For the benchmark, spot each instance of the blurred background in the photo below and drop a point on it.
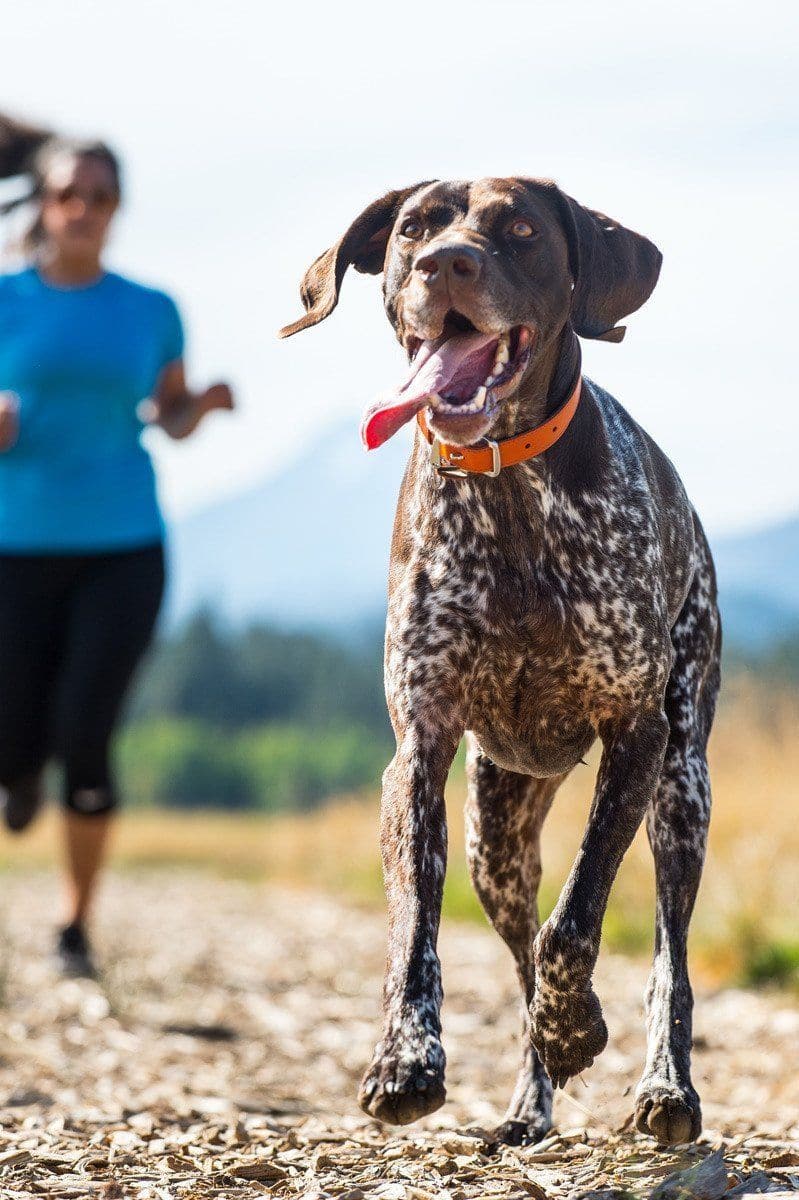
(251, 138)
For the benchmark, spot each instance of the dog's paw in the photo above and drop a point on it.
(521, 1133)
(402, 1085)
(529, 1115)
(568, 1031)
(668, 1112)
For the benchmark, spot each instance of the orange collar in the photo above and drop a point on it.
(488, 458)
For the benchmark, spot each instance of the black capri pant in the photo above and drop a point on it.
(73, 628)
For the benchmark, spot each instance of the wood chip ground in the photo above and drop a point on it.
(219, 1057)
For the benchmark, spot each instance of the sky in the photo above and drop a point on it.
(253, 134)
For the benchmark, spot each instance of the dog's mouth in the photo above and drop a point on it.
(463, 376)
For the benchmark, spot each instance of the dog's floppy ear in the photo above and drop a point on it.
(363, 246)
(614, 270)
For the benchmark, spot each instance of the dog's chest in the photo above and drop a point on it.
(536, 623)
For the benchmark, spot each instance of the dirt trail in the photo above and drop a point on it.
(221, 1057)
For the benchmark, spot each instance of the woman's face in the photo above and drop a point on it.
(79, 200)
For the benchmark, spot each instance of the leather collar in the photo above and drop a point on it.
(487, 457)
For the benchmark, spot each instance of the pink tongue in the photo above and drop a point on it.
(459, 363)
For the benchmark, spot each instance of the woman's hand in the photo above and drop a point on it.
(9, 420)
(218, 396)
(179, 411)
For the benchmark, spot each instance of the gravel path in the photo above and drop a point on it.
(221, 1054)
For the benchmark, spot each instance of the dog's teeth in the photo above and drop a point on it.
(474, 405)
(500, 359)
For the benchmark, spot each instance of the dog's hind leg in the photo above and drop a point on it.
(567, 1025)
(667, 1105)
(504, 815)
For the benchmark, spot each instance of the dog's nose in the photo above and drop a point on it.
(455, 263)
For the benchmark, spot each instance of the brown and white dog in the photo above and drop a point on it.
(533, 607)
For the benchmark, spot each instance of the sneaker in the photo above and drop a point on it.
(74, 954)
(21, 802)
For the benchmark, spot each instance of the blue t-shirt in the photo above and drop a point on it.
(80, 360)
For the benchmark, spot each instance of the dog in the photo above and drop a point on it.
(550, 584)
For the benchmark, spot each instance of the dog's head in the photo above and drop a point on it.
(479, 279)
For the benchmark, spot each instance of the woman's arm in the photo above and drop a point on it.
(9, 420)
(178, 410)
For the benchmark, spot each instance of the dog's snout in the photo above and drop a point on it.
(457, 263)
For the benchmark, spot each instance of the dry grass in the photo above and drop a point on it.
(745, 921)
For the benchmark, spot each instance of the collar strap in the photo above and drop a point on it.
(487, 457)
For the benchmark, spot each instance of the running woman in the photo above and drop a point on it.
(81, 533)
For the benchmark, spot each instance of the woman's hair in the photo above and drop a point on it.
(28, 150)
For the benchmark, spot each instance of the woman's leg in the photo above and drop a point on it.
(112, 614)
(86, 843)
(32, 594)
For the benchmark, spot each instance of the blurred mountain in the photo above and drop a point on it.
(310, 545)
(764, 562)
(307, 546)
(759, 584)
(753, 623)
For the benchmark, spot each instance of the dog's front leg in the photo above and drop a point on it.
(406, 1077)
(568, 1029)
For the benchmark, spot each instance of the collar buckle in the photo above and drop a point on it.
(445, 467)
(496, 459)
(448, 467)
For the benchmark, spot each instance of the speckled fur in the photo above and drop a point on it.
(570, 598)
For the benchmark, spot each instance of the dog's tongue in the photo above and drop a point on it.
(459, 365)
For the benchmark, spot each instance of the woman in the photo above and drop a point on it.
(81, 535)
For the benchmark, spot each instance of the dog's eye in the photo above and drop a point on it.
(411, 229)
(522, 229)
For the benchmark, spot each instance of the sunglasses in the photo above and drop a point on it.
(101, 199)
